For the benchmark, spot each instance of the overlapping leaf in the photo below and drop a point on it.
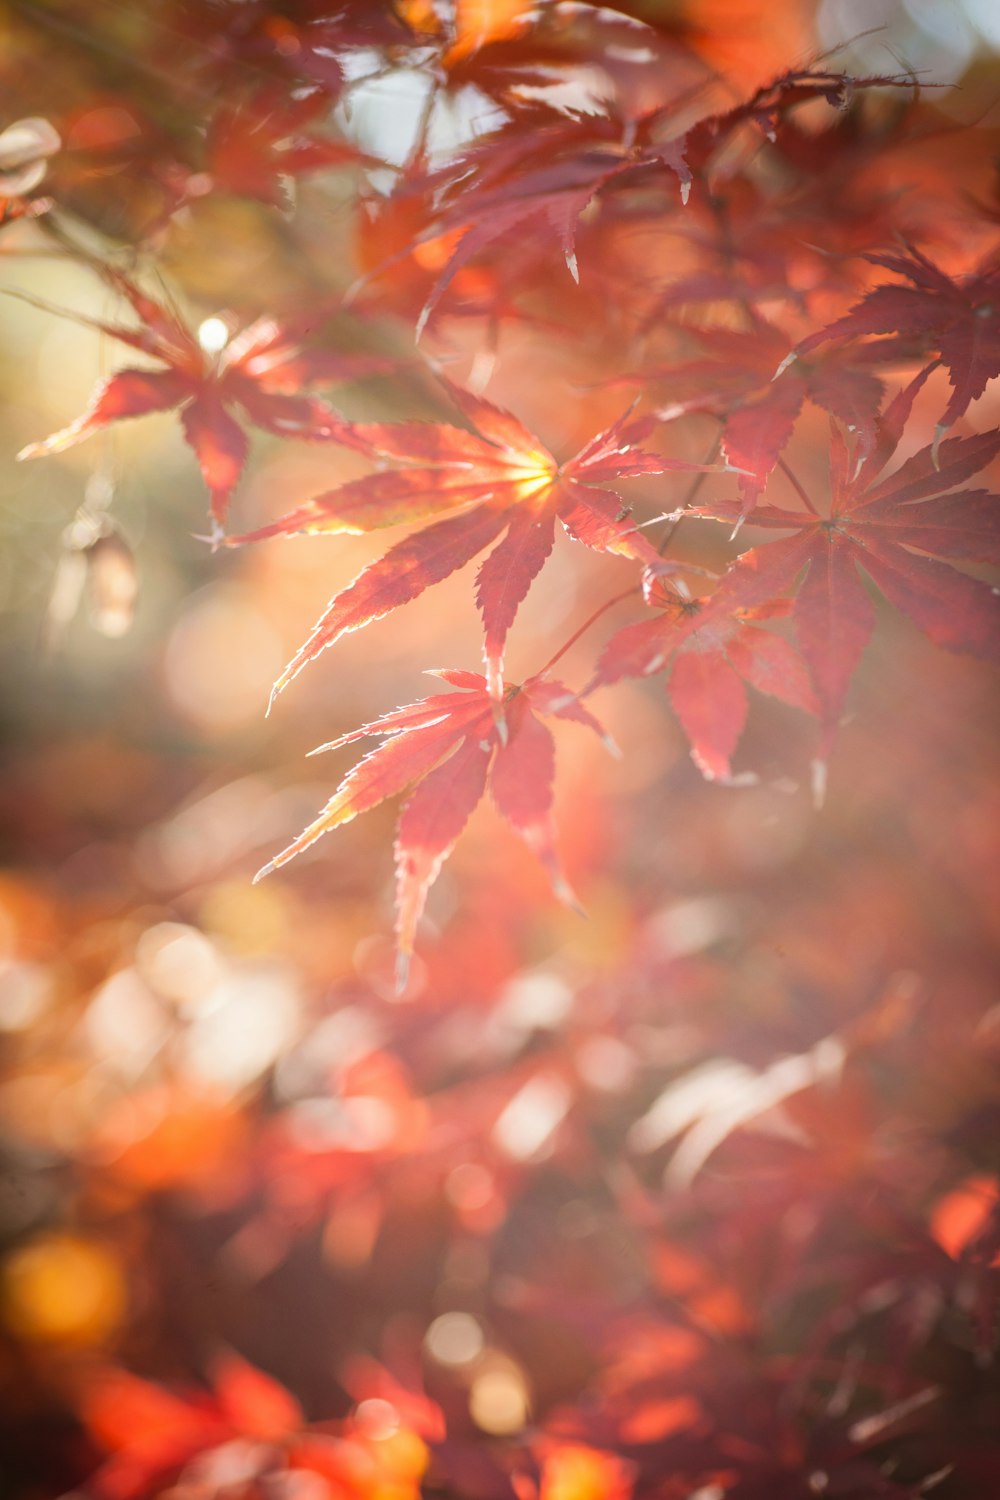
(510, 179)
(750, 380)
(523, 55)
(469, 489)
(712, 652)
(306, 42)
(957, 321)
(443, 752)
(151, 1433)
(893, 531)
(547, 178)
(254, 144)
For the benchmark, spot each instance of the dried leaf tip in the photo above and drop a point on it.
(564, 892)
(215, 538)
(939, 432)
(422, 321)
(272, 697)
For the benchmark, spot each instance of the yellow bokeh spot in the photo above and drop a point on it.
(251, 919)
(60, 1288)
(498, 1400)
(404, 1454)
(577, 1473)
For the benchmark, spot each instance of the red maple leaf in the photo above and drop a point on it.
(307, 41)
(891, 530)
(262, 372)
(750, 379)
(152, 1434)
(443, 751)
(254, 144)
(712, 652)
(958, 322)
(511, 179)
(523, 55)
(497, 481)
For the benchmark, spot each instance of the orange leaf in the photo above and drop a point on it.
(577, 1473)
(960, 1215)
(254, 1403)
(478, 22)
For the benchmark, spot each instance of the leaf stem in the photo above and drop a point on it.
(797, 486)
(692, 492)
(608, 603)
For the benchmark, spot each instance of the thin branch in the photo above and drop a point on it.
(797, 486)
(608, 604)
(692, 493)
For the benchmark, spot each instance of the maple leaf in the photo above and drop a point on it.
(305, 42)
(712, 651)
(523, 55)
(442, 752)
(152, 1434)
(473, 487)
(763, 230)
(510, 179)
(894, 530)
(258, 371)
(256, 143)
(478, 22)
(752, 379)
(958, 322)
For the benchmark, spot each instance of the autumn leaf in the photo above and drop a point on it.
(305, 44)
(893, 530)
(510, 181)
(252, 1402)
(712, 652)
(262, 372)
(961, 1216)
(472, 488)
(254, 145)
(758, 386)
(478, 22)
(152, 1434)
(957, 321)
(442, 752)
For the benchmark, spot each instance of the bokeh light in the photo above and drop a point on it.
(60, 1288)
